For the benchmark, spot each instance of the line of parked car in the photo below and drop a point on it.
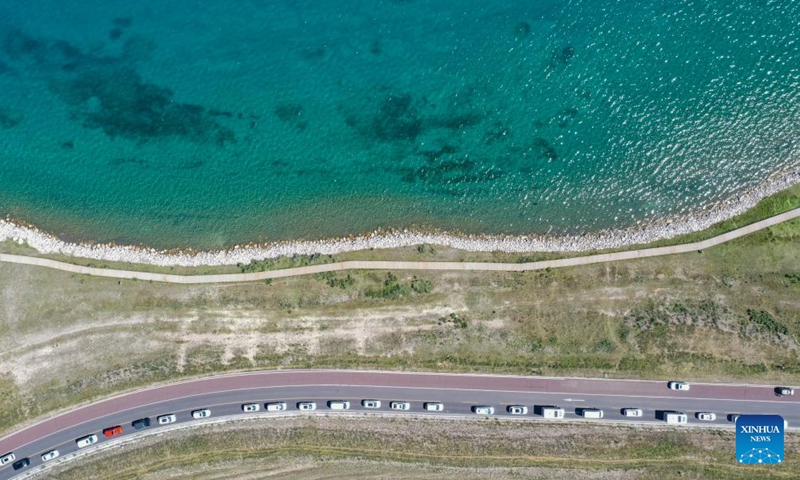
(206, 413)
(88, 440)
(339, 405)
(552, 411)
(546, 411)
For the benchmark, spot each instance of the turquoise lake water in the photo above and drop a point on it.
(207, 124)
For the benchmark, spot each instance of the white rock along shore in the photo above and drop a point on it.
(611, 238)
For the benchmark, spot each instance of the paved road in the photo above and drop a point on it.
(224, 395)
(387, 265)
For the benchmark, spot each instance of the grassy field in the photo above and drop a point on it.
(331, 447)
(731, 313)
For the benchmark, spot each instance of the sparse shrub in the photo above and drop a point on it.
(284, 262)
(456, 320)
(459, 322)
(256, 266)
(623, 333)
(697, 313)
(764, 319)
(680, 308)
(391, 289)
(333, 281)
(342, 283)
(605, 346)
(325, 276)
(421, 286)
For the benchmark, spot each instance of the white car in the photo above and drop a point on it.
(339, 405)
(517, 409)
(632, 412)
(483, 410)
(49, 455)
(706, 416)
(371, 403)
(307, 406)
(251, 407)
(203, 413)
(275, 406)
(166, 419)
(784, 391)
(86, 441)
(9, 457)
(400, 406)
(433, 406)
(678, 386)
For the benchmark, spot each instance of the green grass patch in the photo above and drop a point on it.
(393, 288)
(767, 322)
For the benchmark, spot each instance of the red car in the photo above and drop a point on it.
(112, 431)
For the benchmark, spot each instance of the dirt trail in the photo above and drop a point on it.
(405, 265)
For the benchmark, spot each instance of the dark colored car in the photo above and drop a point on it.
(141, 423)
(21, 463)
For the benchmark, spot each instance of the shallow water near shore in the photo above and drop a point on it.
(208, 125)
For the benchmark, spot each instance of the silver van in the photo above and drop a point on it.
(552, 412)
(592, 413)
(675, 417)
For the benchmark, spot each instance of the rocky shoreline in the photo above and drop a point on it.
(612, 238)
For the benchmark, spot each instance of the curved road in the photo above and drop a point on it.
(224, 395)
(398, 265)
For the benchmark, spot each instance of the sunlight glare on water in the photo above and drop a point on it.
(205, 124)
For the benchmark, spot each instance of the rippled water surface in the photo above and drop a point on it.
(206, 124)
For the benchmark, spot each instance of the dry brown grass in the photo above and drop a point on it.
(66, 339)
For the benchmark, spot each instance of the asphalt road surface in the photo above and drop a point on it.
(225, 395)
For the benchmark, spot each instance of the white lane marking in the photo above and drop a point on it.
(527, 392)
(525, 377)
(462, 375)
(289, 372)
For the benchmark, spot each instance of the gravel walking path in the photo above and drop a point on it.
(401, 265)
